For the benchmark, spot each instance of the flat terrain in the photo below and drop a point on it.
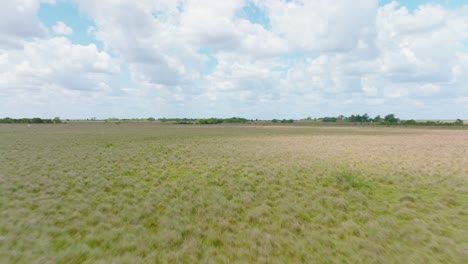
(152, 193)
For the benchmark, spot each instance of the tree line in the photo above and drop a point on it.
(35, 120)
(205, 121)
(365, 118)
(389, 119)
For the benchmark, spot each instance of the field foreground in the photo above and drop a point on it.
(150, 193)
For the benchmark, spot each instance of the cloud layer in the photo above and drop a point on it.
(258, 59)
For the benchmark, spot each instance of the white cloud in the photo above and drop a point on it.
(424, 19)
(324, 57)
(18, 21)
(54, 69)
(399, 54)
(413, 49)
(321, 26)
(61, 28)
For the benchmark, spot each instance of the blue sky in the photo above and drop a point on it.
(251, 58)
(255, 15)
(67, 12)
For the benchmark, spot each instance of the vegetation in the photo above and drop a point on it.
(412, 122)
(283, 121)
(359, 119)
(388, 120)
(353, 119)
(205, 121)
(329, 119)
(178, 120)
(210, 121)
(147, 192)
(35, 120)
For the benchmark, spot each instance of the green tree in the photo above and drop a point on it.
(391, 119)
(57, 120)
(359, 118)
(458, 122)
(37, 120)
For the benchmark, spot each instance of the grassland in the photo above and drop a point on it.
(151, 193)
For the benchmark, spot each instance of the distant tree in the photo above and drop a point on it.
(274, 120)
(37, 120)
(7, 120)
(151, 119)
(377, 119)
(359, 118)
(391, 119)
(458, 122)
(57, 120)
(365, 118)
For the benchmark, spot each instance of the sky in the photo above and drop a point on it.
(246, 58)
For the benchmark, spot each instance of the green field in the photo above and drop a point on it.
(153, 193)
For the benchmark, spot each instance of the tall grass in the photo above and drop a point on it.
(133, 193)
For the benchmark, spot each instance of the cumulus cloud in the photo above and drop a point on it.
(18, 21)
(337, 56)
(53, 62)
(368, 56)
(61, 28)
(321, 26)
(54, 69)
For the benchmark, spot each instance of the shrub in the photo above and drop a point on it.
(287, 121)
(329, 119)
(346, 179)
(410, 122)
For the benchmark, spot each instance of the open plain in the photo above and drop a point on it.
(154, 193)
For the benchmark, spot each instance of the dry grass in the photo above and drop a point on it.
(132, 193)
